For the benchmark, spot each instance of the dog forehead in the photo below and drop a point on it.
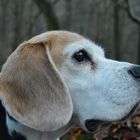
(59, 40)
(56, 36)
(86, 44)
(59, 44)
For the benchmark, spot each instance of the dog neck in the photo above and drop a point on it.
(18, 131)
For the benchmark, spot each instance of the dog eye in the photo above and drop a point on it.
(81, 56)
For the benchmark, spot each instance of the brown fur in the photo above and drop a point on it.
(58, 41)
(32, 90)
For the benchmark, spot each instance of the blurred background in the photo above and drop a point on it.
(113, 24)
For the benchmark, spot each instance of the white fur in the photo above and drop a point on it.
(25, 131)
(107, 92)
(32, 134)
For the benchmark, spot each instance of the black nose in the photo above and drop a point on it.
(92, 125)
(135, 72)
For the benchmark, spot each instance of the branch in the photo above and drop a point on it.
(46, 7)
(55, 1)
(133, 10)
(31, 24)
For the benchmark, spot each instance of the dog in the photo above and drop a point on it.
(60, 78)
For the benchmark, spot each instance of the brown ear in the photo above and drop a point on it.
(32, 89)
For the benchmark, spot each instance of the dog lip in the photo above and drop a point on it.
(130, 113)
(93, 125)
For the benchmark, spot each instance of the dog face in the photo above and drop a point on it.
(57, 74)
(101, 89)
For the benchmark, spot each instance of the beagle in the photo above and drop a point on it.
(59, 78)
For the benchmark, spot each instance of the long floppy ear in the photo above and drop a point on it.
(32, 89)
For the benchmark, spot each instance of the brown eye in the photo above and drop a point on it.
(81, 56)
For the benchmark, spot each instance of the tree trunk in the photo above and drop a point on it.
(46, 7)
(134, 14)
(116, 31)
(139, 47)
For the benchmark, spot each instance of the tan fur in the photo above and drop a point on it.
(58, 41)
(32, 89)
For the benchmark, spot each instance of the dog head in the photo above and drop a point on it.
(58, 74)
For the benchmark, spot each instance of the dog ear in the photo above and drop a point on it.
(32, 89)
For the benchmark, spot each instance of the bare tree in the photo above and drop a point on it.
(134, 9)
(19, 20)
(17, 16)
(4, 8)
(134, 12)
(3, 30)
(117, 34)
(47, 9)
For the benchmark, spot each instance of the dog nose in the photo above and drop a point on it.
(92, 125)
(135, 72)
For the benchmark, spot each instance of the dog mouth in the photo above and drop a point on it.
(94, 126)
